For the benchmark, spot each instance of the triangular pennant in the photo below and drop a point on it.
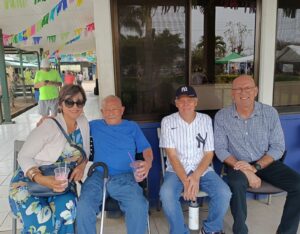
(62, 5)
(52, 38)
(39, 25)
(79, 2)
(64, 36)
(36, 40)
(77, 31)
(90, 27)
(45, 20)
(52, 14)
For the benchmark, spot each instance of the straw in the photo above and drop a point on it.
(65, 167)
(131, 158)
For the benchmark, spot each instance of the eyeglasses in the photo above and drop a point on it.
(70, 103)
(246, 89)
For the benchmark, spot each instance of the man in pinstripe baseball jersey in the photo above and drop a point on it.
(249, 139)
(187, 137)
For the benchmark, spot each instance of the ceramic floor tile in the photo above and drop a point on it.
(2, 179)
(4, 191)
(4, 206)
(7, 224)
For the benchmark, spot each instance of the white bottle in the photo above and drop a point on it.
(193, 215)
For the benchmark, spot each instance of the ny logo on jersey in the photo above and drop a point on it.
(201, 140)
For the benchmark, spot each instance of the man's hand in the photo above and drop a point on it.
(254, 180)
(190, 193)
(143, 169)
(193, 186)
(243, 165)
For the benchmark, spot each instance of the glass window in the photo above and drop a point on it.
(164, 44)
(151, 56)
(287, 61)
(222, 48)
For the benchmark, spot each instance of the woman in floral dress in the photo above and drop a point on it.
(46, 145)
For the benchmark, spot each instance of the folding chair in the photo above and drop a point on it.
(17, 147)
(109, 204)
(163, 158)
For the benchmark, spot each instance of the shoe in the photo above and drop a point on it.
(202, 231)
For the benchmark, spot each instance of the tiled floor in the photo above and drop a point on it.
(262, 219)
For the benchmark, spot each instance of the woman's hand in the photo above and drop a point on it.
(51, 182)
(78, 172)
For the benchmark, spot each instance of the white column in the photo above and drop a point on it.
(104, 48)
(267, 51)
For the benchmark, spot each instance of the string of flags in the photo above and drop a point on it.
(22, 36)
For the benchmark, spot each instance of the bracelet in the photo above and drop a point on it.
(33, 172)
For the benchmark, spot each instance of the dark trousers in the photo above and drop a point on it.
(277, 174)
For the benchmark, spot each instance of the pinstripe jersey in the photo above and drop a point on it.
(189, 140)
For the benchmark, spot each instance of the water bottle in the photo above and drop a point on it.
(193, 215)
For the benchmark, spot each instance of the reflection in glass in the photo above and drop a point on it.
(287, 61)
(222, 48)
(152, 56)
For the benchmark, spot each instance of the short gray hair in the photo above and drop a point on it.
(110, 97)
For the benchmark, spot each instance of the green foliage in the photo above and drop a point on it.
(284, 77)
(225, 78)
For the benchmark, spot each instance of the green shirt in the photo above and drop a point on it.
(48, 92)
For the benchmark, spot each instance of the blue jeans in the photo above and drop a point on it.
(217, 190)
(122, 188)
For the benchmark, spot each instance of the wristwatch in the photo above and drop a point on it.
(257, 166)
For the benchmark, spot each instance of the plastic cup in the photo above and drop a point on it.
(61, 173)
(135, 165)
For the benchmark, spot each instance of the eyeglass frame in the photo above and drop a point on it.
(246, 89)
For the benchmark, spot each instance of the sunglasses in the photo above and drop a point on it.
(70, 103)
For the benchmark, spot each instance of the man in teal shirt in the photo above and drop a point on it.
(48, 82)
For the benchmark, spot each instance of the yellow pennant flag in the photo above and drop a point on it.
(79, 2)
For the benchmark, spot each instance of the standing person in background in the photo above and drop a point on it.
(79, 78)
(69, 78)
(63, 76)
(48, 82)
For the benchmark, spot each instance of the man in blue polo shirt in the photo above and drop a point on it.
(116, 141)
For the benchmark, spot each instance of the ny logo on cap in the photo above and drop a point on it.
(184, 89)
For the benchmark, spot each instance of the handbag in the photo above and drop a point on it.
(39, 190)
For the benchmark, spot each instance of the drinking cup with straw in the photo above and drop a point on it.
(135, 164)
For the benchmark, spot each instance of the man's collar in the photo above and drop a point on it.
(256, 111)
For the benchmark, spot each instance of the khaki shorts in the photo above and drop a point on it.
(48, 106)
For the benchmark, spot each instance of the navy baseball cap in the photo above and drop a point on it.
(186, 90)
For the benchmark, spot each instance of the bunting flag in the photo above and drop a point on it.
(90, 27)
(30, 31)
(64, 36)
(79, 2)
(12, 4)
(36, 40)
(38, 1)
(51, 38)
(77, 31)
